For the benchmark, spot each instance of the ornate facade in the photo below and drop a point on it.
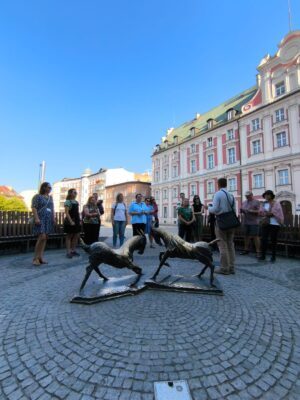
(252, 139)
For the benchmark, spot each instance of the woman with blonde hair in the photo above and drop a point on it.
(91, 221)
(72, 223)
(43, 213)
(119, 219)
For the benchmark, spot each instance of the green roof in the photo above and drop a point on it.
(218, 114)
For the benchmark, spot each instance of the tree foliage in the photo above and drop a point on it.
(12, 204)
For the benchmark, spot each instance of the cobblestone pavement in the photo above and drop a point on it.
(244, 345)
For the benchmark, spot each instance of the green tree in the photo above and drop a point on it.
(12, 204)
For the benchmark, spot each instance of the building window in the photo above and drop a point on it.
(279, 115)
(231, 156)
(255, 124)
(210, 161)
(283, 176)
(232, 184)
(280, 89)
(210, 187)
(257, 181)
(192, 130)
(175, 193)
(175, 155)
(281, 139)
(230, 134)
(209, 142)
(174, 171)
(165, 173)
(193, 166)
(156, 176)
(193, 148)
(256, 147)
(175, 139)
(193, 190)
(210, 123)
(165, 212)
(165, 194)
(175, 212)
(157, 195)
(230, 114)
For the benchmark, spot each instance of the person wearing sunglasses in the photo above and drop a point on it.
(72, 223)
(43, 213)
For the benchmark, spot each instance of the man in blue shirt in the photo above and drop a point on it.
(138, 211)
(222, 203)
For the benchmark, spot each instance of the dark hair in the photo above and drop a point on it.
(222, 182)
(43, 187)
(196, 197)
(138, 194)
(118, 197)
(70, 191)
(270, 193)
(89, 200)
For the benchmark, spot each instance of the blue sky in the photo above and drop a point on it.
(92, 83)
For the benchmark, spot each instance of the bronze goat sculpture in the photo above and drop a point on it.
(178, 248)
(101, 253)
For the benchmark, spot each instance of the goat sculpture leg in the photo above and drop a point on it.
(161, 254)
(89, 270)
(212, 268)
(162, 262)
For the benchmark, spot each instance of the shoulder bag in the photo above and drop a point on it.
(228, 220)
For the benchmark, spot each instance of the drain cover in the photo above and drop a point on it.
(172, 390)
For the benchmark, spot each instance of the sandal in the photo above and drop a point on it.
(36, 262)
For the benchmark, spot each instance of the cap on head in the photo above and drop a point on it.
(248, 193)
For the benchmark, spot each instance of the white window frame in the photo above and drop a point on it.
(165, 212)
(165, 174)
(280, 88)
(157, 195)
(258, 181)
(281, 139)
(175, 192)
(174, 171)
(165, 194)
(230, 134)
(210, 187)
(193, 148)
(193, 166)
(175, 155)
(231, 155)
(255, 124)
(232, 184)
(230, 115)
(193, 189)
(256, 146)
(175, 139)
(209, 142)
(210, 161)
(210, 124)
(279, 115)
(156, 176)
(283, 177)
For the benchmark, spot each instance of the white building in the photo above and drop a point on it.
(252, 139)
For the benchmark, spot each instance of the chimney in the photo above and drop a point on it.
(198, 116)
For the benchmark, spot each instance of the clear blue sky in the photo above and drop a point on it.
(93, 83)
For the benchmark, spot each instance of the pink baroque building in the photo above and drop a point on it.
(252, 139)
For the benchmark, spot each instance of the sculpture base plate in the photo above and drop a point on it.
(179, 283)
(100, 290)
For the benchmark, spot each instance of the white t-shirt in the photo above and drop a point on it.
(119, 210)
(273, 221)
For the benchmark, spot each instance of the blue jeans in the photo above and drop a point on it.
(118, 229)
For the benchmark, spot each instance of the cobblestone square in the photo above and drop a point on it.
(243, 345)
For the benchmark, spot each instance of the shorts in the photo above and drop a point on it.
(251, 230)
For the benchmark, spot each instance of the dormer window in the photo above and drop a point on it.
(230, 114)
(210, 123)
(209, 142)
(192, 130)
(175, 139)
(280, 89)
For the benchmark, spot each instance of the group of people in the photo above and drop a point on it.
(143, 215)
(260, 221)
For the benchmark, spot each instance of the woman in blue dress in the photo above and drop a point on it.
(43, 213)
(149, 215)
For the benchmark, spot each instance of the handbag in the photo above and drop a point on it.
(228, 220)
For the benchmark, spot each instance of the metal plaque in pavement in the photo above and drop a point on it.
(172, 390)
